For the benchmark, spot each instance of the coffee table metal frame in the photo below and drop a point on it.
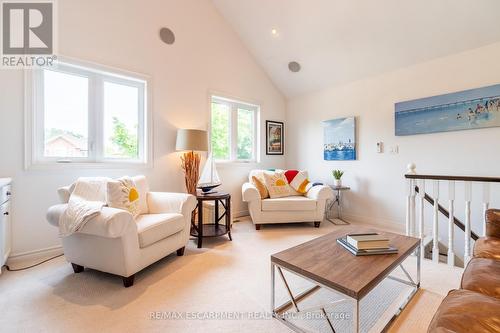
(278, 311)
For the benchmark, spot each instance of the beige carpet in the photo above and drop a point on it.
(224, 277)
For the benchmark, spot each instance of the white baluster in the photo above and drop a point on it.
(410, 201)
(435, 229)
(486, 204)
(421, 216)
(468, 196)
(408, 208)
(413, 209)
(451, 223)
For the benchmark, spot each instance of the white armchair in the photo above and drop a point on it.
(307, 208)
(114, 242)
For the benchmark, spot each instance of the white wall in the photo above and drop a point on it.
(207, 56)
(378, 188)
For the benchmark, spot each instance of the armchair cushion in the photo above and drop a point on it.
(155, 227)
(464, 311)
(293, 203)
(482, 275)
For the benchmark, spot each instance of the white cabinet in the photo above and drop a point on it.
(5, 221)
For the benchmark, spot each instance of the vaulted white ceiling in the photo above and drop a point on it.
(337, 41)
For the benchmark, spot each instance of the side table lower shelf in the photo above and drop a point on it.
(212, 230)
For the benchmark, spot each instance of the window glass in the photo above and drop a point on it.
(245, 134)
(121, 121)
(220, 131)
(65, 114)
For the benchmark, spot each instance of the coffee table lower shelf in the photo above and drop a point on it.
(279, 312)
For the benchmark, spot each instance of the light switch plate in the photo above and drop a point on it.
(394, 149)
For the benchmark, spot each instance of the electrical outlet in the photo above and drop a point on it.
(380, 147)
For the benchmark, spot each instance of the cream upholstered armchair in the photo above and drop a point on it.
(296, 208)
(116, 243)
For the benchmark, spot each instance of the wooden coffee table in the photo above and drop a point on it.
(328, 265)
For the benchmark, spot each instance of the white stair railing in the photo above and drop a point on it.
(417, 182)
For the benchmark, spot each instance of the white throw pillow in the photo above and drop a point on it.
(123, 194)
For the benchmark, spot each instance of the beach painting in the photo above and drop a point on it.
(469, 109)
(339, 142)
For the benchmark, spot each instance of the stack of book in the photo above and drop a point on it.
(366, 244)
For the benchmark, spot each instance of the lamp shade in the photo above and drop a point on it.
(191, 139)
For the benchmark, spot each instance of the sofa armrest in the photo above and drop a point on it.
(493, 223)
(250, 193)
(320, 192)
(169, 202)
(111, 222)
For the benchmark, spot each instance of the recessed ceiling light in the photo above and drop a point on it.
(274, 32)
(294, 66)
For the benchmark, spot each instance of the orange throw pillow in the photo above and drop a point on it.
(260, 187)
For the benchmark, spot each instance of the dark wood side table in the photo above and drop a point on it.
(212, 229)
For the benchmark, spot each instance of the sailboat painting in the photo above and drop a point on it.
(339, 139)
(209, 178)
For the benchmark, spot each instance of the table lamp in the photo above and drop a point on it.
(190, 141)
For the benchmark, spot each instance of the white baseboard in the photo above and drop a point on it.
(35, 255)
(241, 213)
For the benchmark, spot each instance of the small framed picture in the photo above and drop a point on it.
(275, 131)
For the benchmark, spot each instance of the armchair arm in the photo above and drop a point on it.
(64, 192)
(320, 192)
(493, 223)
(169, 202)
(111, 222)
(250, 193)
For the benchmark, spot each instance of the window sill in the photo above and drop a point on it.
(88, 165)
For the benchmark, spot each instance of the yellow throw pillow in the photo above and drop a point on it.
(276, 184)
(260, 187)
(123, 194)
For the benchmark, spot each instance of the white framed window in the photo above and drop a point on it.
(88, 114)
(234, 130)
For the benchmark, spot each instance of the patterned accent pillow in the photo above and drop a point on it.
(123, 194)
(277, 184)
(260, 187)
(298, 180)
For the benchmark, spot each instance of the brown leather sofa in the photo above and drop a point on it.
(476, 306)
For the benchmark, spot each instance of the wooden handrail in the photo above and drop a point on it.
(457, 178)
(445, 212)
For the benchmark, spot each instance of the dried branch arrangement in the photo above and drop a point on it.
(191, 167)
